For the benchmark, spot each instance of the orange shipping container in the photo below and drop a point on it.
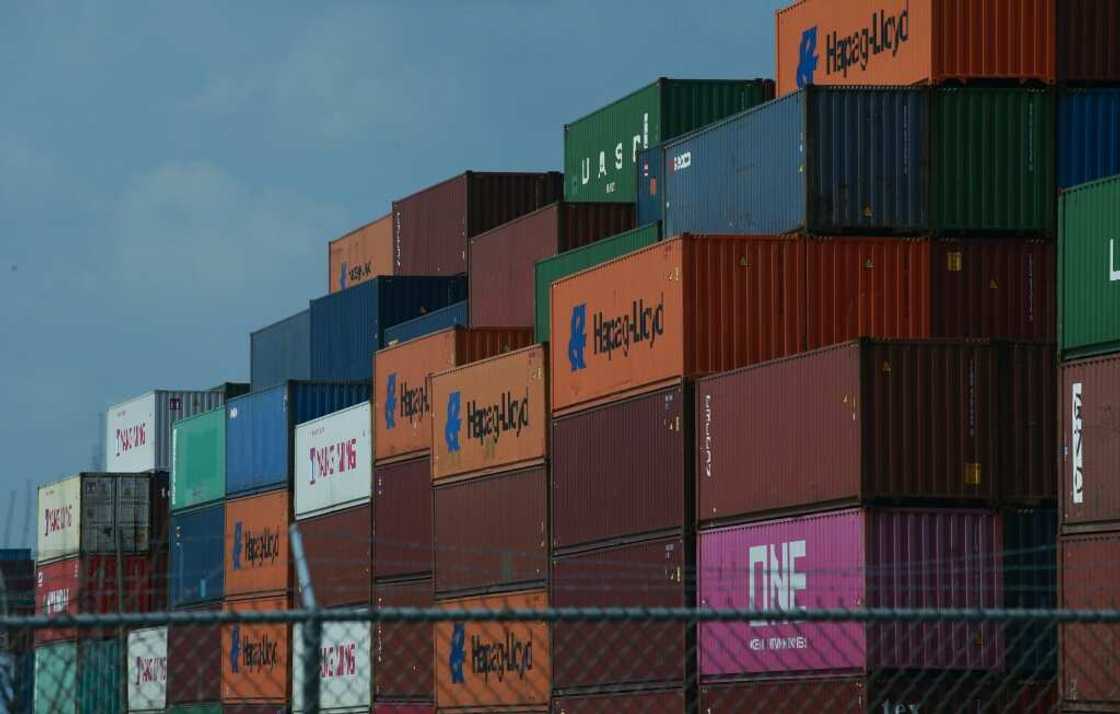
(494, 664)
(891, 42)
(490, 415)
(401, 397)
(257, 544)
(255, 658)
(361, 255)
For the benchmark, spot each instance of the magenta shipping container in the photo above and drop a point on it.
(855, 558)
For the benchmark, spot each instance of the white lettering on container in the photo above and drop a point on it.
(1078, 454)
(779, 581)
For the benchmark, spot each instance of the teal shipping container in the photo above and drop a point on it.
(1089, 269)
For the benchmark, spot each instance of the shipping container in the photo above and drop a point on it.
(622, 470)
(334, 461)
(889, 558)
(1030, 582)
(89, 585)
(402, 400)
(198, 459)
(362, 254)
(432, 228)
(1089, 269)
(277, 708)
(600, 150)
(1089, 580)
(454, 315)
(210, 708)
(337, 549)
(868, 421)
(99, 676)
(345, 674)
(194, 661)
(402, 519)
(1090, 445)
(197, 556)
(651, 173)
(914, 42)
(490, 415)
(876, 693)
(502, 259)
(256, 658)
(281, 352)
(147, 669)
(666, 701)
(259, 429)
(56, 679)
(347, 327)
(257, 561)
(1088, 43)
(1088, 134)
(552, 269)
(469, 671)
(491, 532)
(403, 652)
(138, 431)
(17, 572)
(17, 688)
(650, 574)
(402, 708)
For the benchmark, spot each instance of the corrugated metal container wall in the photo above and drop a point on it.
(194, 661)
(502, 260)
(521, 679)
(1088, 40)
(672, 701)
(345, 675)
(402, 519)
(88, 585)
(198, 459)
(552, 269)
(431, 228)
(1088, 135)
(361, 255)
(197, 556)
(147, 669)
(17, 568)
(403, 652)
(590, 471)
(1090, 300)
(914, 41)
(1090, 580)
(85, 513)
(651, 574)
(334, 461)
(600, 150)
(403, 709)
(56, 670)
(256, 529)
(1090, 446)
(993, 160)
(99, 676)
(259, 428)
(651, 173)
(886, 693)
(1030, 581)
(138, 432)
(211, 708)
(256, 661)
(280, 352)
(854, 558)
(59, 516)
(337, 549)
(492, 532)
(444, 318)
(348, 327)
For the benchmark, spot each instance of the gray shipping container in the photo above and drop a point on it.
(281, 352)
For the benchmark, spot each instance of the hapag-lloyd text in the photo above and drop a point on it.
(642, 324)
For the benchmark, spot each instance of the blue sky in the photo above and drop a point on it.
(170, 174)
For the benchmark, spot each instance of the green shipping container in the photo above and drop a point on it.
(214, 708)
(993, 161)
(99, 676)
(1089, 265)
(198, 459)
(601, 149)
(56, 676)
(552, 269)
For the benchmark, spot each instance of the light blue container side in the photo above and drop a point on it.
(434, 321)
(280, 352)
(197, 559)
(1088, 135)
(650, 171)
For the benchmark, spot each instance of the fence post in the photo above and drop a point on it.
(312, 628)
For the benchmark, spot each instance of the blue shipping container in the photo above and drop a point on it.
(434, 321)
(347, 327)
(259, 428)
(197, 556)
(1088, 135)
(824, 160)
(280, 352)
(650, 170)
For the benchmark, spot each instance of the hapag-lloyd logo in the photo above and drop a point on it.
(454, 423)
(510, 655)
(57, 519)
(339, 660)
(391, 401)
(488, 423)
(643, 324)
(414, 402)
(131, 438)
(253, 654)
(333, 459)
(150, 670)
(883, 34)
(254, 547)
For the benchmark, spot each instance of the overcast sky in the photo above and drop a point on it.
(170, 173)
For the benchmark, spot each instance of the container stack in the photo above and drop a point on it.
(17, 655)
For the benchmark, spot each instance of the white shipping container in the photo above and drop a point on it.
(147, 669)
(59, 519)
(85, 513)
(344, 671)
(334, 461)
(138, 431)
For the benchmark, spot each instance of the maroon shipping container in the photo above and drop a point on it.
(338, 556)
(88, 585)
(402, 519)
(491, 532)
(431, 228)
(648, 574)
(1089, 572)
(1091, 442)
(194, 661)
(1088, 40)
(502, 260)
(669, 701)
(403, 654)
(403, 708)
(875, 694)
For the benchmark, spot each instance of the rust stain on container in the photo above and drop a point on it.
(671, 701)
(337, 547)
(194, 661)
(257, 561)
(403, 653)
(402, 519)
(492, 414)
(492, 532)
(1090, 413)
(1089, 572)
(361, 255)
(258, 669)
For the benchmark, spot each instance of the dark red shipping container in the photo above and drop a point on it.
(88, 585)
(194, 661)
(502, 260)
(403, 708)
(1091, 443)
(1088, 41)
(667, 701)
(621, 471)
(1089, 573)
(403, 654)
(491, 532)
(874, 694)
(648, 574)
(338, 556)
(431, 228)
(402, 519)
